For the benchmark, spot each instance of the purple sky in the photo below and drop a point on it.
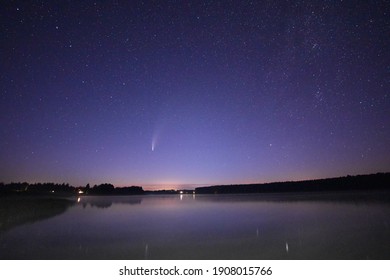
(193, 92)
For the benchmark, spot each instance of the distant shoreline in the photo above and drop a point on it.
(378, 181)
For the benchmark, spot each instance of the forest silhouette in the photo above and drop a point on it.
(378, 181)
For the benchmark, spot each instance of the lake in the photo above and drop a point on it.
(257, 226)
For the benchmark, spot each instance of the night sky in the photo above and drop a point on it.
(193, 92)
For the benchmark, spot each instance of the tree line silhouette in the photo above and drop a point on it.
(378, 181)
(66, 189)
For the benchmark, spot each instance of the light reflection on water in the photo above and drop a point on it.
(209, 227)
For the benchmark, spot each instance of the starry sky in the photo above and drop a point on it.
(182, 93)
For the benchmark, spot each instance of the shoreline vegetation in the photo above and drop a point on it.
(371, 182)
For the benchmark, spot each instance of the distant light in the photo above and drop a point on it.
(52, 191)
(81, 192)
(181, 192)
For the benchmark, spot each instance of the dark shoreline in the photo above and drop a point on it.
(378, 181)
(371, 182)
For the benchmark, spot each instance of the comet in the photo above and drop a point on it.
(154, 141)
(156, 136)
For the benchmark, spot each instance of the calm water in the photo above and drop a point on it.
(201, 227)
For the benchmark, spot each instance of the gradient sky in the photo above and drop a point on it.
(193, 92)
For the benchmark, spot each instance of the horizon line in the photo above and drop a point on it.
(194, 185)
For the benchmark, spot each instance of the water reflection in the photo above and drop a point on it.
(188, 226)
(146, 251)
(108, 201)
(16, 211)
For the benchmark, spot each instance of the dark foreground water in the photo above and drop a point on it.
(280, 226)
